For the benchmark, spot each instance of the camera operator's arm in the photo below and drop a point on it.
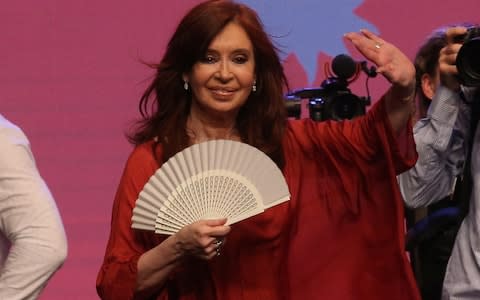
(441, 136)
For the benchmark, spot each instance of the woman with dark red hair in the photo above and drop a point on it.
(341, 234)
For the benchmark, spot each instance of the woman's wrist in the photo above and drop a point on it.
(404, 93)
(177, 246)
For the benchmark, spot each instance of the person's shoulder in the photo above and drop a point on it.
(305, 125)
(144, 154)
(14, 147)
(301, 131)
(141, 164)
(296, 124)
(11, 134)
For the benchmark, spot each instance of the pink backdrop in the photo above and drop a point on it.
(70, 76)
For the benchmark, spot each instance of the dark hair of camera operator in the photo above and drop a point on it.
(444, 141)
(340, 236)
(427, 72)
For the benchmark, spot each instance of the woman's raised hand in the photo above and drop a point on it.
(392, 63)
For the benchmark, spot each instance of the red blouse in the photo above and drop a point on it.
(340, 236)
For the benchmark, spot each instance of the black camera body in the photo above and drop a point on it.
(333, 100)
(468, 58)
(336, 102)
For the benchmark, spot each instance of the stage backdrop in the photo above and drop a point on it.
(71, 76)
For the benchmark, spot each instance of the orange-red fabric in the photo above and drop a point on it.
(339, 237)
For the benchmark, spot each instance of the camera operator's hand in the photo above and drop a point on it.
(448, 57)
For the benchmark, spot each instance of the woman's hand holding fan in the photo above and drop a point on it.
(203, 239)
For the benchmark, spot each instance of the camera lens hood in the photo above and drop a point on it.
(468, 62)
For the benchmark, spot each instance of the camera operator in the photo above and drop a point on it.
(429, 253)
(445, 138)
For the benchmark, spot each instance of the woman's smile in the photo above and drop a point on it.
(222, 93)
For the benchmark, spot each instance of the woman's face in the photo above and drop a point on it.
(222, 81)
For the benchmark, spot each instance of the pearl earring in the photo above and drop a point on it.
(185, 85)
(254, 86)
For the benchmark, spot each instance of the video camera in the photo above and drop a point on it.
(468, 58)
(333, 100)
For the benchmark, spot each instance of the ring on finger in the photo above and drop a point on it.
(218, 242)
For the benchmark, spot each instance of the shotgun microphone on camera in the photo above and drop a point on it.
(334, 100)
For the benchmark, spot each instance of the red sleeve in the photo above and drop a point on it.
(398, 148)
(342, 178)
(356, 149)
(117, 276)
(364, 139)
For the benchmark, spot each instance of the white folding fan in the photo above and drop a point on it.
(214, 179)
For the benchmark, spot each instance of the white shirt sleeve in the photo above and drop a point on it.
(32, 238)
(441, 140)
